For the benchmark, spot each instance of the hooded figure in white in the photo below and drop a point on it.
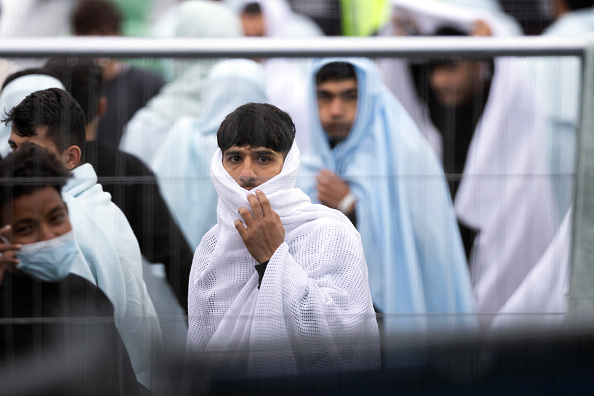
(181, 97)
(312, 312)
(505, 192)
(182, 161)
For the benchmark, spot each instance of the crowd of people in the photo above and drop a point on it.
(305, 212)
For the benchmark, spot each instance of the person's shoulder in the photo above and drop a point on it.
(85, 298)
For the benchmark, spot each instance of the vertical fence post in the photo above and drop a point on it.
(581, 295)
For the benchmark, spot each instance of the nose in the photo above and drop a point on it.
(438, 78)
(247, 172)
(46, 233)
(336, 107)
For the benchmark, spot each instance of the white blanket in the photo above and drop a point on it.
(313, 312)
(505, 191)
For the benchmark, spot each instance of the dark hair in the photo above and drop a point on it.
(56, 109)
(579, 4)
(445, 31)
(252, 9)
(257, 125)
(96, 18)
(29, 169)
(27, 72)
(83, 79)
(335, 71)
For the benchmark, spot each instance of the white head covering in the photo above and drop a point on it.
(147, 130)
(182, 161)
(280, 20)
(17, 90)
(505, 191)
(181, 97)
(312, 313)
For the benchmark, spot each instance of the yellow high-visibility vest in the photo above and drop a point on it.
(364, 17)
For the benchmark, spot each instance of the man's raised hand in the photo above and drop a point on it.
(263, 232)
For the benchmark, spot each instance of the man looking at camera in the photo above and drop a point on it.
(279, 285)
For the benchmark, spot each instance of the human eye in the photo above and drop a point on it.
(12, 145)
(323, 96)
(22, 229)
(58, 218)
(350, 96)
(233, 158)
(264, 159)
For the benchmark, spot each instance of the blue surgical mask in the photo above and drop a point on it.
(49, 260)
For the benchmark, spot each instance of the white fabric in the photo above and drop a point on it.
(505, 191)
(182, 161)
(428, 16)
(541, 299)
(111, 249)
(313, 312)
(279, 19)
(146, 131)
(287, 78)
(14, 92)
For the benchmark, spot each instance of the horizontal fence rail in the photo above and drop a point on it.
(409, 47)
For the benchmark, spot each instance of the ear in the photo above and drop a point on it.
(102, 108)
(71, 157)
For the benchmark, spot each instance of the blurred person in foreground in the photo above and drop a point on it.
(279, 286)
(67, 352)
(159, 236)
(127, 88)
(369, 161)
(53, 119)
(484, 120)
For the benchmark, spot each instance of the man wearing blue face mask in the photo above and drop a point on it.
(38, 250)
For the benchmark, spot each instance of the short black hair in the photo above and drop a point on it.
(96, 17)
(335, 71)
(252, 8)
(29, 169)
(83, 79)
(257, 125)
(56, 109)
(579, 4)
(448, 31)
(27, 72)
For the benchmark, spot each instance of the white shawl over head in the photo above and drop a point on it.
(14, 92)
(313, 312)
(505, 192)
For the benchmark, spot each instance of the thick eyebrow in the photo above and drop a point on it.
(57, 209)
(346, 91)
(264, 152)
(232, 153)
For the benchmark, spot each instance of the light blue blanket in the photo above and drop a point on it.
(412, 244)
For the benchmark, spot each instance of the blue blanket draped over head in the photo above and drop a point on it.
(413, 249)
